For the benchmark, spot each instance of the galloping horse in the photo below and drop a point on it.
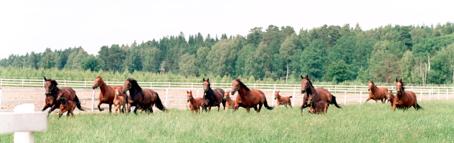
(282, 100)
(53, 95)
(248, 98)
(316, 98)
(142, 98)
(120, 101)
(404, 99)
(212, 97)
(194, 103)
(377, 93)
(107, 94)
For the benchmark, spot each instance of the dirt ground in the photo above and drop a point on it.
(174, 98)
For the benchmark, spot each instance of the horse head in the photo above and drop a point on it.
(98, 82)
(276, 94)
(306, 85)
(50, 86)
(370, 85)
(206, 84)
(189, 95)
(399, 86)
(237, 85)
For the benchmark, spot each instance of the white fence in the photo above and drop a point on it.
(23, 122)
(172, 92)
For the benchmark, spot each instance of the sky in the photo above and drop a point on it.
(34, 25)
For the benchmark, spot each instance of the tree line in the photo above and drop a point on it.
(418, 54)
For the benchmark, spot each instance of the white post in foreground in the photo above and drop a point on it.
(1, 93)
(22, 122)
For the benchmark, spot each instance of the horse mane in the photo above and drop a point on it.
(311, 87)
(134, 84)
(242, 85)
(374, 86)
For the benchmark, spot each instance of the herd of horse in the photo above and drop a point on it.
(316, 99)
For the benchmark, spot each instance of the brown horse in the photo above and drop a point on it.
(228, 101)
(212, 97)
(120, 101)
(316, 98)
(66, 106)
(142, 98)
(248, 98)
(404, 99)
(377, 93)
(107, 94)
(282, 100)
(53, 95)
(195, 104)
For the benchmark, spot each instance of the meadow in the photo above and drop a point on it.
(353, 123)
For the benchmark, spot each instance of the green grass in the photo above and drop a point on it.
(353, 123)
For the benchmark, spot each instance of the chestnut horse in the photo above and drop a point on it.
(377, 93)
(195, 104)
(107, 94)
(248, 98)
(53, 95)
(282, 100)
(316, 98)
(212, 97)
(228, 101)
(142, 98)
(404, 99)
(66, 106)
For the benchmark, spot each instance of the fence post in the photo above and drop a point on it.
(24, 137)
(93, 101)
(447, 91)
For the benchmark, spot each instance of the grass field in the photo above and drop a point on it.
(353, 123)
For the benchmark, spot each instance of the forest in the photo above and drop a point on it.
(417, 54)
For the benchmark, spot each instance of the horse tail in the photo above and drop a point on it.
(159, 103)
(290, 96)
(76, 99)
(266, 104)
(333, 101)
(417, 107)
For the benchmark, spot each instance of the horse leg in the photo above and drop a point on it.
(110, 108)
(99, 106)
(256, 109)
(45, 107)
(248, 109)
(135, 109)
(260, 107)
(60, 114)
(219, 106)
(52, 109)
(367, 100)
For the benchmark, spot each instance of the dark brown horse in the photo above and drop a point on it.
(404, 99)
(377, 93)
(53, 95)
(66, 106)
(316, 98)
(107, 94)
(248, 98)
(142, 98)
(212, 97)
(282, 100)
(195, 104)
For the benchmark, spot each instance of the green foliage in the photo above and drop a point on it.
(276, 53)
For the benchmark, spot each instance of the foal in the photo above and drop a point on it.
(228, 101)
(195, 104)
(120, 104)
(282, 100)
(66, 106)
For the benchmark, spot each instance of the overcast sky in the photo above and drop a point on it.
(34, 25)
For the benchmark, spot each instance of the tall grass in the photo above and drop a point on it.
(353, 123)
